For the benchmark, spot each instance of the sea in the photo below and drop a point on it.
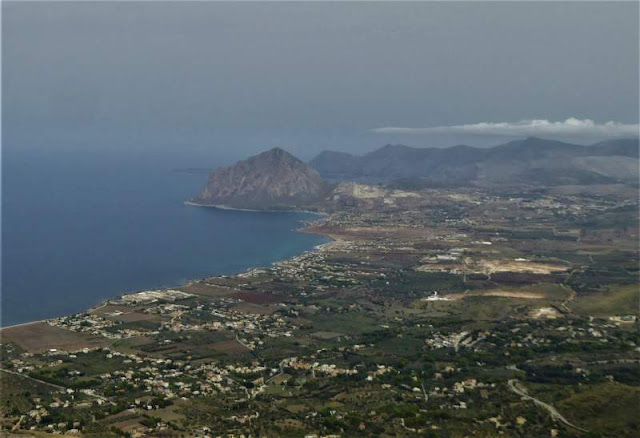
(80, 228)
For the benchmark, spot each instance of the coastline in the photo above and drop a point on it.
(22, 324)
(226, 207)
(106, 300)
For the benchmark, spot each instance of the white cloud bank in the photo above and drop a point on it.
(523, 128)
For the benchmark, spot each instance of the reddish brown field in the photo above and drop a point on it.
(254, 308)
(129, 314)
(258, 298)
(229, 347)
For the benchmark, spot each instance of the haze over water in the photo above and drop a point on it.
(80, 228)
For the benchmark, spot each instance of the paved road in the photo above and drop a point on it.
(553, 411)
(242, 343)
(424, 392)
(281, 372)
(254, 352)
(61, 388)
(461, 337)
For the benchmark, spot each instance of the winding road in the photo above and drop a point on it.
(553, 411)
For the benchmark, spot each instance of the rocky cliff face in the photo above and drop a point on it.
(272, 179)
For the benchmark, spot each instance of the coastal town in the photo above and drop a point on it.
(428, 312)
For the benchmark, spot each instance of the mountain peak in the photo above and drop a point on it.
(271, 179)
(276, 151)
(277, 156)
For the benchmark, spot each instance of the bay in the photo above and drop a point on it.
(77, 229)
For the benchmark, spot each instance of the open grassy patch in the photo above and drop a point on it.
(608, 406)
(614, 300)
(349, 323)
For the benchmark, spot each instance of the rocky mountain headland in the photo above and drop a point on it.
(274, 179)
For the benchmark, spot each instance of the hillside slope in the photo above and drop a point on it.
(529, 161)
(272, 179)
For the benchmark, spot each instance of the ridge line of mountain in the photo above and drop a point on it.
(276, 180)
(392, 146)
(461, 164)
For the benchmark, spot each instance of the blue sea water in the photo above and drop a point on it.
(79, 229)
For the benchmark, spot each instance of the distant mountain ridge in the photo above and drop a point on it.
(532, 160)
(275, 179)
(270, 180)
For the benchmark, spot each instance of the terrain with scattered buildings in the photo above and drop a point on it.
(447, 312)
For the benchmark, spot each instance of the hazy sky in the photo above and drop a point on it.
(229, 79)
